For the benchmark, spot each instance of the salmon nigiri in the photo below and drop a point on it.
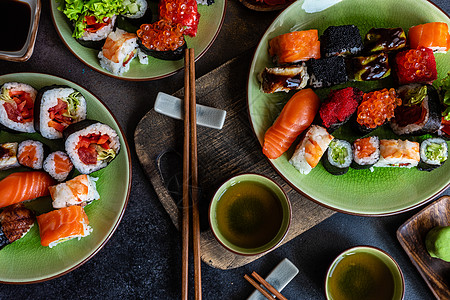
(62, 225)
(296, 116)
(295, 46)
(432, 35)
(23, 186)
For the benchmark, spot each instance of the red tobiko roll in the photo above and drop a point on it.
(416, 65)
(339, 106)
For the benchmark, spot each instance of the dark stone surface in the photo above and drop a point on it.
(143, 257)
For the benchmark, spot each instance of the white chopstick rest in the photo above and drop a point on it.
(279, 278)
(206, 116)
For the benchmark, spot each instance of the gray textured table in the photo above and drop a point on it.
(143, 257)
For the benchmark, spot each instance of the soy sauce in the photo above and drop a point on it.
(15, 19)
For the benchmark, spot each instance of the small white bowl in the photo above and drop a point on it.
(25, 53)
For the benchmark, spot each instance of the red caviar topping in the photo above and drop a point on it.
(182, 12)
(161, 36)
(416, 65)
(377, 107)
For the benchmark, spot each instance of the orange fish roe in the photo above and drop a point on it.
(161, 36)
(377, 107)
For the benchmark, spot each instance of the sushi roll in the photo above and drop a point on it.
(284, 79)
(433, 154)
(63, 225)
(16, 106)
(366, 152)
(398, 153)
(294, 47)
(205, 2)
(339, 106)
(56, 108)
(31, 154)
(181, 12)
(80, 190)
(8, 156)
(95, 31)
(162, 40)
(384, 39)
(91, 145)
(434, 36)
(327, 72)
(58, 165)
(134, 9)
(310, 149)
(15, 221)
(338, 157)
(376, 108)
(341, 40)
(420, 112)
(119, 50)
(416, 66)
(373, 67)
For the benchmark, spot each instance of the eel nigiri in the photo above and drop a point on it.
(295, 46)
(15, 221)
(23, 186)
(296, 116)
(432, 35)
(62, 225)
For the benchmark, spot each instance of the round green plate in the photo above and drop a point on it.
(211, 19)
(26, 261)
(384, 191)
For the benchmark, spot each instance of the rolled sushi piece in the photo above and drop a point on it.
(341, 40)
(372, 67)
(162, 39)
(366, 152)
(338, 157)
(434, 36)
(420, 112)
(416, 66)
(294, 47)
(8, 156)
(310, 149)
(62, 225)
(119, 50)
(398, 153)
(433, 154)
(31, 154)
(58, 165)
(284, 79)
(91, 145)
(80, 190)
(16, 107)
(15, 222)
(56, 108)
(327, 71)
(134, 9)
(384, 39)
(96, 31)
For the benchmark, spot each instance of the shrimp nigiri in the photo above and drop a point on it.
(296, 116)
(432, 35)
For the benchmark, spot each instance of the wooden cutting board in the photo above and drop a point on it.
(221, 154)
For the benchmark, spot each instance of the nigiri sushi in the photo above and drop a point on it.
(58, 165)
(398, 153)
(283, 79)
(295, 46)
(80, 190)
(62, 225)
(15, 221)
(432, 35)
(23, 186)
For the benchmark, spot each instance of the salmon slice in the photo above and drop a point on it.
(295, 46)
(28, 156)
(62, 164)
(432, 35)
(23, 186)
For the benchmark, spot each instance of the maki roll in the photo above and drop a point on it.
(91, 145)
(433, 154)
(420, 112)
(16, 106)
(15, 221)
(434, 36)
(8, 156)
(338, 157)
(416, 66)
(31, 154)
(310, 149)
(283, 79)
(119, 50)
(341, 40)
(96, 31)
(162, 40)
(295, 46)
(56, 108)
(384, 39)
(80, 190)
(135, 9)
(327, 72)
(182, 12)
(58, 165)
(366, 152)
(398, 153)
(63, 225)
(373, 67)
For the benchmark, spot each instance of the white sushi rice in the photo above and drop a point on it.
(100, 34)
(7, 122)
(428, 142)
(63, 195)
(140, 5)
(143, 57)
(73, 139)
(39, 152)
(49, 100)
(398, 153)
(372, 158)
(49, 166)
(86, 231)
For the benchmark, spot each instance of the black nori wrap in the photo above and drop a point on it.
(166, 55)
(3, 239)
(340, 40)
(72, 128)
(332, 169)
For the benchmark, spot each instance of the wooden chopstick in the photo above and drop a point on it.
(267, 285)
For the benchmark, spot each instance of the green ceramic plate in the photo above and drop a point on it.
(211, 19)
(26, 261)
(386, 190)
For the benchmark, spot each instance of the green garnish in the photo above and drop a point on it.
(338, 153)
(444, 90)
(4, 96)
(105, 154)
(435, 152)
(415, 96)
(72, 104)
